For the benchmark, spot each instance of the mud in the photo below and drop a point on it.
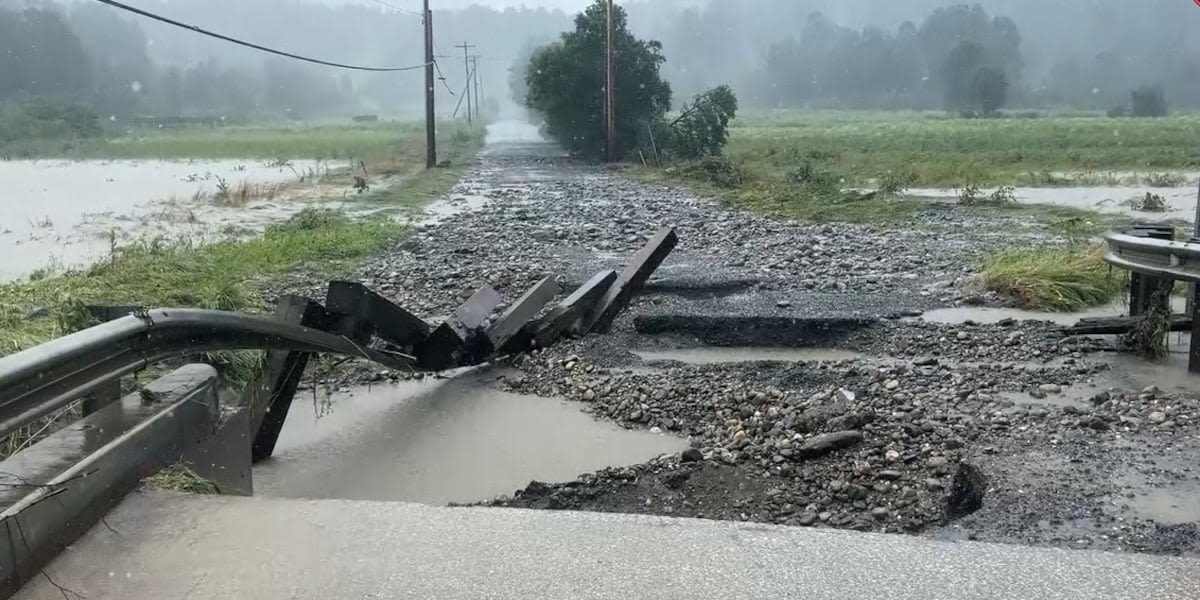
(1180, 200)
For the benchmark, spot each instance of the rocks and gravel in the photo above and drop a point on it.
(1007, 432)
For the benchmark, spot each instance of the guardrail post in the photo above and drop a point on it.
(1142, 287)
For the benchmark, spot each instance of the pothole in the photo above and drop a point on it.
(442, 442)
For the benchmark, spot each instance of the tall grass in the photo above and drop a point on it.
(1064, 279)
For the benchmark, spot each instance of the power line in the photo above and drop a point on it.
(442, 78)
(397, 8)
(226, 38)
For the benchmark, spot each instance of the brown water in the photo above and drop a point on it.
(713, 355)
(68, 213)
(1180, 200)
(443, 441)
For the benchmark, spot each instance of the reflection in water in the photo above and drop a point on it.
(452, 441)
(712, 355)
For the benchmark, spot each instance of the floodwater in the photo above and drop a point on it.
(444, 441)
(986, 315)
(1180, 201)
(708, 355)
(70, 213)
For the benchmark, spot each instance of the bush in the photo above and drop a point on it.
(717, 170)
(37, 120)
(1148, 101)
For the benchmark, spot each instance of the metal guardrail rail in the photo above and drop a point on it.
(44, 378)
(1156, 262)
(1179, 261)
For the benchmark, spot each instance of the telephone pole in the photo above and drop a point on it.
(467, 66)
(610, 98)
(430, 118)
(475, 77)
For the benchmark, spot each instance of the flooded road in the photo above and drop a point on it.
(443, 441)
(70, 213)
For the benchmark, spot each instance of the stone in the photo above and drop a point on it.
(844, 395)
(880, 513)
(891, 384)
(589, 395)
(1050, 388)
(1157, 417)
(825, 443)
(963, 336)
(807, 519)
(691, 455)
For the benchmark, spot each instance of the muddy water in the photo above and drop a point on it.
(1180, 201)
(714, 355)
(66, 213)
(979, 314)
(445, 441)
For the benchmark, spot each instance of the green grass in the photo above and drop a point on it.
(1056, 279)
(325, 142)
(950, 152)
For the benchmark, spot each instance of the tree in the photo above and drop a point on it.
(702, 127)
(958, 75)
(989, 89)
(1148, 101)
(566, 83)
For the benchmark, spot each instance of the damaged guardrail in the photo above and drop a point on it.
(89, 465)
(1155, 261)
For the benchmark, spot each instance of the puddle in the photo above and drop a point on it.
(443, 441)
(1170, 374)
(1174, 505)
(986, 315)
(456, 204)
(1180, 200)
(67, 213)
(709, 355)
(1076, 395)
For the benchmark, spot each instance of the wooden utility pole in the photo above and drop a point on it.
(430, 117)
(467, 67)
(610, 97)
(475, 78)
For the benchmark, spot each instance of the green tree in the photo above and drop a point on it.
(958, 75)
(989, 89)
(566, 84)
(702, 127)
(1148, 101)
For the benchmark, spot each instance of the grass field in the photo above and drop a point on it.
(953, 152)
(324, 142)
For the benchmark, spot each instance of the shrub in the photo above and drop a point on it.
(1148, 101)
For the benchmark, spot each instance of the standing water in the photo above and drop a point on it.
(439, 442)
(68, 213)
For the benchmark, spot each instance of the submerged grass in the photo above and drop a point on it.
(1063, 279)
(180, 478)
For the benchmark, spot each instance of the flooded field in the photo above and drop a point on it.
(70, 213)
(1180, 201)
(443, 441)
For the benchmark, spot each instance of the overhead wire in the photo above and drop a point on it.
(162, 19)
(398, 9)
